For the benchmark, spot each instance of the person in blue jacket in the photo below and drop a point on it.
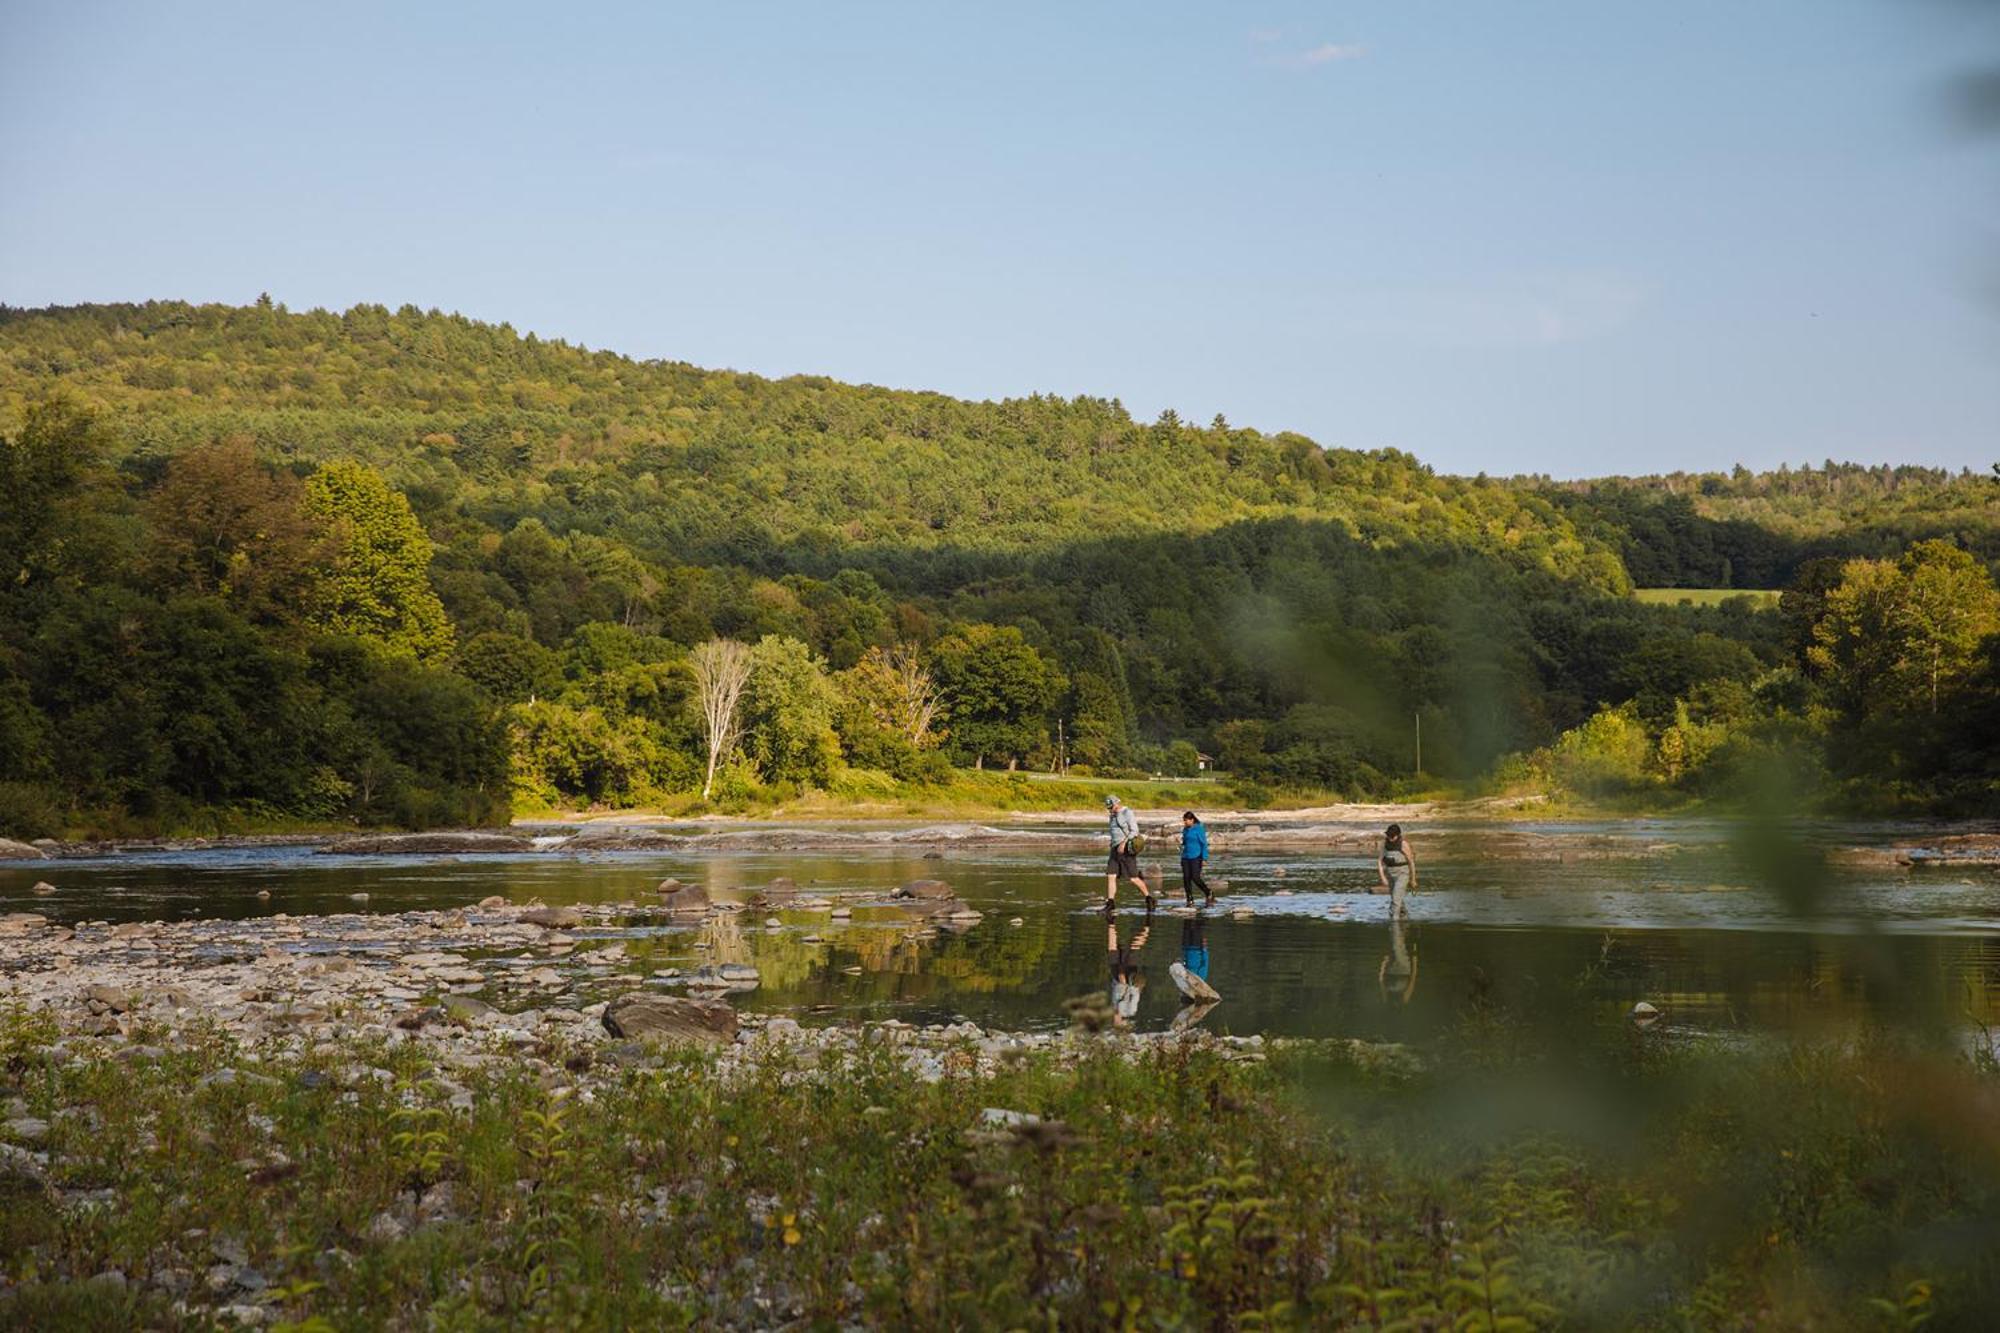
(1194, 853)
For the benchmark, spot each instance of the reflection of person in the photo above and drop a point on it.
(1124, 860)
(1397, 869)
(1128, 979)
(1194, 946)
(1194, 855)
(1398, 974)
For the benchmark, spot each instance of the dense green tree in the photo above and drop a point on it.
(510, 668)
(375, 583)
(997, 691)
(1100, 702)
(788, 712)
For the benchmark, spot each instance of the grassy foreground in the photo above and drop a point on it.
(1164, 1187)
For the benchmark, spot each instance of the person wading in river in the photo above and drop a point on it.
(1194, 855)
(1397, 869)
(1124, 860)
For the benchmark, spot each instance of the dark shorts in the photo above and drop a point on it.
(1125, 865)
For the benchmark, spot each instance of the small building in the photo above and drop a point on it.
(1203, 762)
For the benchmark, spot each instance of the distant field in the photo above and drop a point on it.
(1765, 597)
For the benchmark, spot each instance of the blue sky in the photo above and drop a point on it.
(1567, 237)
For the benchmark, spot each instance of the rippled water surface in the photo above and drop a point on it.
(1558, 921)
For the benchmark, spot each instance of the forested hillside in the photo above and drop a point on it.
(406, 567)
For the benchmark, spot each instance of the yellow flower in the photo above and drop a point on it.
(792, 1236)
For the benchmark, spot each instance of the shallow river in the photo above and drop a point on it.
(1507, 922)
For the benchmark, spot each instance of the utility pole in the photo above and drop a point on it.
(1420, 744)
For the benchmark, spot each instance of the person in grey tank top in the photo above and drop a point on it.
(1397, 868)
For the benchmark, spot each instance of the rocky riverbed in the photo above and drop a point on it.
(495, 981)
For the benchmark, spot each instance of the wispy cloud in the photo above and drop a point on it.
(1272, 49)
(1328, 52)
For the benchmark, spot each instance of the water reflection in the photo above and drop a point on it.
(1397, 976)
(1198, 997)
(1128, 977)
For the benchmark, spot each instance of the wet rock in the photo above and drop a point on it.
(44, 889)
(20, 923)
(1645, 1014)
(555, 918)
(429, 844)
(20, 851)
(357, 897)
(683, 899)
(780, 892)
(492, 902)
(666, 1018)
(925, 890)
(1192, 986)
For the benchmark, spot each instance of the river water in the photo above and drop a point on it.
(1546, 923)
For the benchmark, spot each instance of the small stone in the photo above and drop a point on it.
(492, 902)
(27, 1129)
(555, 918)
(464, 1010)
(931, 889)
(357, 897)
(263, 895)
(1005, 1119)
(385, 1229)
(44, 889)
(113, 999)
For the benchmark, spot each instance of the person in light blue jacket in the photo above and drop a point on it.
(1194, 856)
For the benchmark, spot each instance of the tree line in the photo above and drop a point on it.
(402, 567)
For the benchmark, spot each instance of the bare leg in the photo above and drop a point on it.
(1110, 889)
(1144, 888)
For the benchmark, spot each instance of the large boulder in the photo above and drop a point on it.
(555, 918)
(669, 1018)
(683, 899)
(20, 851)
(935, 890)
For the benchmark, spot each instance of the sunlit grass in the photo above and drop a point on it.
(1763, 599)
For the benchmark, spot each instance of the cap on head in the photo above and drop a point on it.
(1111, 803)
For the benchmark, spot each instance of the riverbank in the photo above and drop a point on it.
(374, 1122)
